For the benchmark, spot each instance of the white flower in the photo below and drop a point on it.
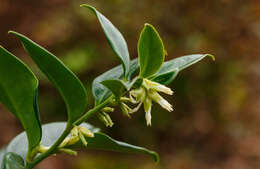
(77, 133)
(147, 108)
(147, 93)
(157, 87)
(160, 100)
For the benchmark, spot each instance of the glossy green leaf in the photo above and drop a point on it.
(167, 73)
(18, 92)
(151, 51)
(70, 87)
(114, 37)
(171, 68)
(117, 87)
(52, 131)
(100, 92)
(103, 142)
(166, 78)
(12, 161)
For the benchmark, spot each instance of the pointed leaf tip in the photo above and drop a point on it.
(151, 52)
(59, 75)
(156, 157)
(211, 56)
(88, 6)
(171, 68)
(18, 87)
(114, 38)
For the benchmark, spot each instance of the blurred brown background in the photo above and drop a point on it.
(215, 123)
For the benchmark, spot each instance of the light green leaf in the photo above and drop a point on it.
(171, 68)
(18, 92)
(117, 87)
(69, 86)
(115, 39)
(100, 92)
(52, 131)
(151, 51)
(12, 161)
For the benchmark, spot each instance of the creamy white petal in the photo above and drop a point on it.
(160, 100)
(165, 104)
(164, 89)
(148, 117)
(148, 84)
(86, 132)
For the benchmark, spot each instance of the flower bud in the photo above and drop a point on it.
(108, 109)
(73, 140)
(64, 142)
(43, 149)
(68, 151)
(125, 109)
(105, 118)
(74, 131)
(83, 140)
(86, 132)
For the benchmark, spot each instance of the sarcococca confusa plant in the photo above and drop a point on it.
(132, 85)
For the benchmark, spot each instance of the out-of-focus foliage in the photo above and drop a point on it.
(215, 123)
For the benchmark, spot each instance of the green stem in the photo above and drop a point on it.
(93, 111)
(52, 149)
(66, 132)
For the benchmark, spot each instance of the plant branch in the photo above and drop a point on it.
(93, 111)
(66, 132)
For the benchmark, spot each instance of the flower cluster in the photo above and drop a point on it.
(104, 117)
(76, 134)
(145, 94)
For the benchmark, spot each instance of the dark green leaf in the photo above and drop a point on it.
(114, 37)
(18, 92)
(117, 87)
(103, 142)
(166, 78)
(70, 87)
(12, 161)
(165, 75)
(151, 51)
(52, 131)
(100, 92)
(171, 68)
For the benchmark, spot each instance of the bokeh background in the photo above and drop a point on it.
(215, 123)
